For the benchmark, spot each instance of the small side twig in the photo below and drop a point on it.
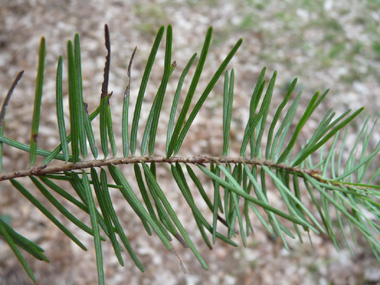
(8, 97)
(127, 89)
(3, 111)
(107, 63)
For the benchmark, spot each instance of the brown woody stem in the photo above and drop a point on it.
(44, 170)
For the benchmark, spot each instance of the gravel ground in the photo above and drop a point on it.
(326, 44)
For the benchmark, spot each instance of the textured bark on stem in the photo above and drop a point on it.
(44, 170)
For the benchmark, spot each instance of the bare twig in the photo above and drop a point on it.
(107, 63)
(8, 97)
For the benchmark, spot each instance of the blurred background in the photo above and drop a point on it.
(325, 44)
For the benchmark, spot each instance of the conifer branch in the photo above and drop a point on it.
(328, 181)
